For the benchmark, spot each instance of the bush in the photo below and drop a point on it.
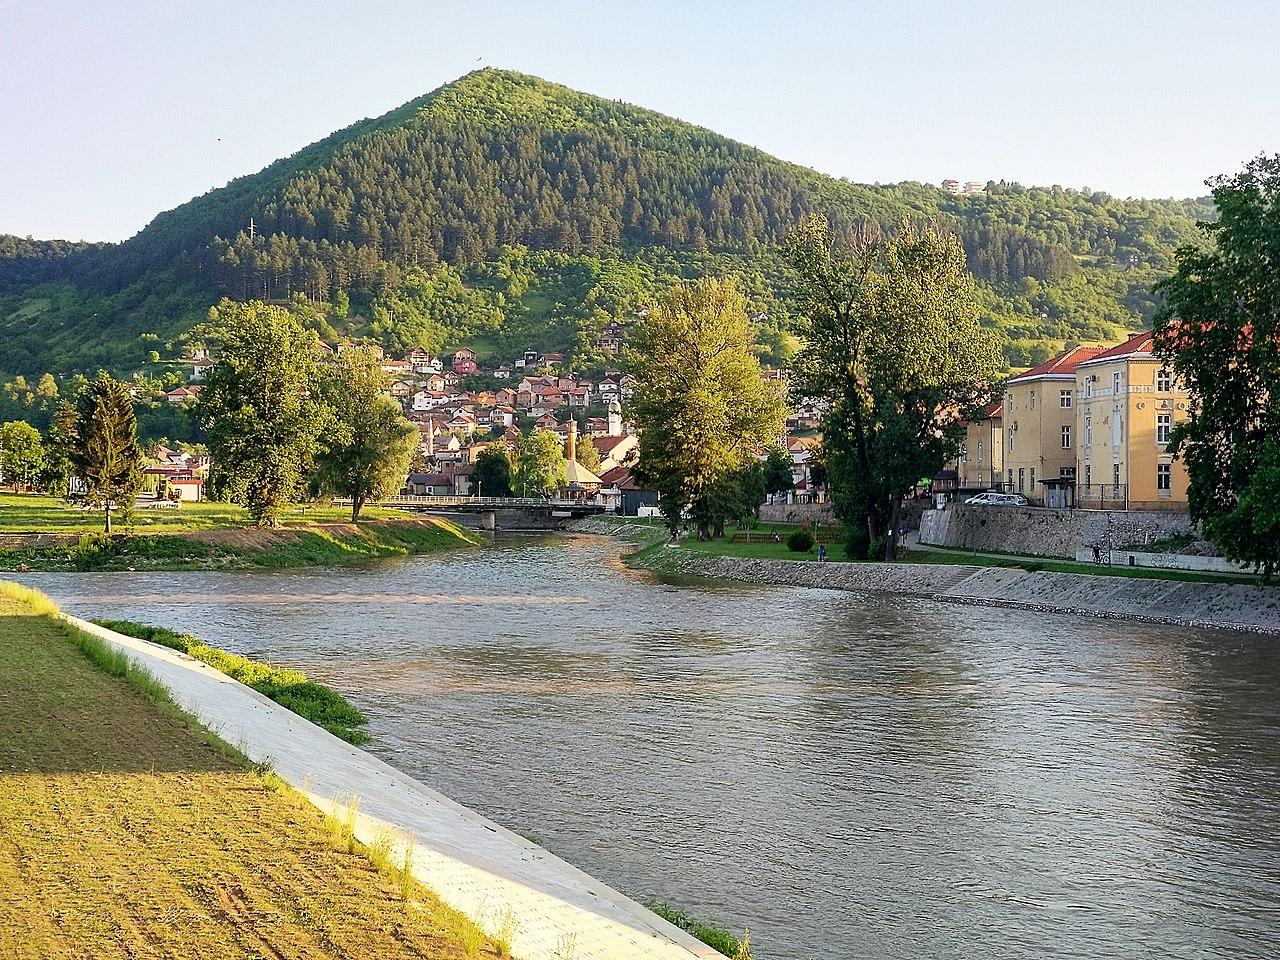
(856, 542)
(876, 549)
(800, 541)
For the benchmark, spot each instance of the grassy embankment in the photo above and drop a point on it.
(131, 830)
(44, 533)
(290, 688)
(765, 548)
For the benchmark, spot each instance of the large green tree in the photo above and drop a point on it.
(60, 451)
(895, 349)
(1219, 328)
(107, 458)
(366, 452)
(261, 406)
(492, 475)
(540, 466)
(21, 452)
(702, 406)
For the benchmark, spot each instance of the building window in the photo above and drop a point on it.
(1008, 401)
(962, 455)
(1011, 478)
(1088, 386)
(1064, 399)
(1031, 401)
(1117, 425)
(1088, 432)
(1022, 475)
(1088, 474)
(1011, 439)
(1066, 436)
(1032, 485)
(1164, 477)
(979, 453)
(1115, 383)
(1115, 475)
(1067, 473)
(1164, 380)
(1164, 424)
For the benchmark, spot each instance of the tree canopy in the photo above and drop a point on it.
(1219, 328)
(106, 457)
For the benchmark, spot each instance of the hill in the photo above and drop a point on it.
(502, 208)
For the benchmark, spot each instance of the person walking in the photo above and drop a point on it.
(822, 553)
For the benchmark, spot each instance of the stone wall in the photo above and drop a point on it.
(1045, 533)
(1237, 606)
(797, 513)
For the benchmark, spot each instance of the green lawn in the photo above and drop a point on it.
(34, 513)
(132, 831)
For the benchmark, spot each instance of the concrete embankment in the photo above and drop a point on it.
(515, 890)
(1234, 606)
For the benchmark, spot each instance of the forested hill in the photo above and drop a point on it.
(504, 206)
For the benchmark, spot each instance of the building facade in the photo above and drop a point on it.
(1128, 404)
(1040, 424)
(980, 465)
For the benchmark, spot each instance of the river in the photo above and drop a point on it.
(850, 777)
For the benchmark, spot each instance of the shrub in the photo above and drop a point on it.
(800, 541)
(856, 542)
(875, 551)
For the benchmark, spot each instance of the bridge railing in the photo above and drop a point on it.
(411, 500)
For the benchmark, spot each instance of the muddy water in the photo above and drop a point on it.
(850, 777)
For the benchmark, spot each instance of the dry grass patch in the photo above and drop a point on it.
(128, 830)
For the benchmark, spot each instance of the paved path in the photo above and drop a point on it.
(548, 909)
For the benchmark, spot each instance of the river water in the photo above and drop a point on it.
(850, 777)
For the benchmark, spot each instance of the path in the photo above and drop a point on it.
(548, 909)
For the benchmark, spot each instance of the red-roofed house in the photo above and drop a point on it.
(1040, 423)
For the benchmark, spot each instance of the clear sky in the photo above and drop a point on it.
(113, 111)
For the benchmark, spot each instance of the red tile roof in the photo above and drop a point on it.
(1139, 343)
(1064, 364)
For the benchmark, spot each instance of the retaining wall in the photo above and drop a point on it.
(1045, 533)
(1236, 606)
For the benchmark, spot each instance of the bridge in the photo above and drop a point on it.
(494, 513)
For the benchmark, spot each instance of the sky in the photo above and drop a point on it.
(113, 112)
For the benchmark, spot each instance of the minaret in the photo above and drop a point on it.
(615, 418)
(431, 438)
(571, 443)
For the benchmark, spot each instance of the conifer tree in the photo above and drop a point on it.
(107, 458)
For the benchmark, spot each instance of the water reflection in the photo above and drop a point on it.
(852, 777)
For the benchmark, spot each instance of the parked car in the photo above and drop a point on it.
(993, 499)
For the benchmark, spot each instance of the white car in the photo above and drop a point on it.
(993, 499)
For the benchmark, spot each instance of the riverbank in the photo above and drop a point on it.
(1196, 603)
(131, 829)
(529, 902)
(233, 547)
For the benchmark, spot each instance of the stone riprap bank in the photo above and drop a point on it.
(1235, 606)
(1046, 533)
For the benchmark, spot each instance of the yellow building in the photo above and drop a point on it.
(1040, 424)
(980, 464)
(1127, 404)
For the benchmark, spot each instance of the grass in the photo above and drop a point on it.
(924, 555)
(131, 830)
(717, 938)
(239, 548)
(290, 688)
(38, 513)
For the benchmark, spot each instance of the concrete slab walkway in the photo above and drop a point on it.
(545, 908)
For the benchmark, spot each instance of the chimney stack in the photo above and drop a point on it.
(571, 445)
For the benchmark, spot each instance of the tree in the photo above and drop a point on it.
(778, 477)
(588, 454)
(21, 452)
(540, 467)
(106, 457)
(260, 408)
(702, 406)
(1218, 328)
(895, 348)
(59, 451)
(492, 474)
(367, 451)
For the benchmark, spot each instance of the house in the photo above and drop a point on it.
(528, 359)
(1127, 404)
(180, 395)
(617, 451)
(622, 494)
(435, 381)
(952, 186)
(506, 397)
(200, 368)
(980, 464)
(610, 339)
(608, 390)
(501, 417)
(397, 368)
(1040, 424)
(428, 485)
(627, 386)
(188, 489)
(598, 427)
(422, 362)
(464, 362)
(401, 389)
(552, 360)
(578, 398)
(546, 421)
(502, 373)
(462, 423)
